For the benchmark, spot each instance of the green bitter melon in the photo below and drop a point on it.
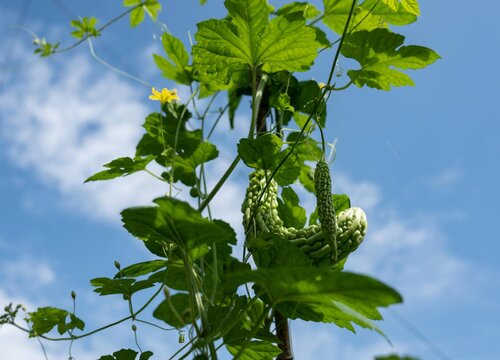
(259, 218)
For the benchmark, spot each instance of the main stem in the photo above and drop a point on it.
(281, 322)
(283, 334)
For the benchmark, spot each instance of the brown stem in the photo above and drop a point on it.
(283, 334)
(262, 113)
(282, 329)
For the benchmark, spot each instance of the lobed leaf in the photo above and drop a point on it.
(255, 350)
(174, 222)
(369, 15)
(380, 54)
(315, 294)
(264, 152)
(175, 66)
(121, 167)
(44, 319)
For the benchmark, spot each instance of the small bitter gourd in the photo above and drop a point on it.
(326, 211)
(262, 217)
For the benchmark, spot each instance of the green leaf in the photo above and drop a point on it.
(44, 48)
(341, 202)
(272, 251)
(264, 153)
(175, 310)
(287, 44)
(248, 40)
(136, 16)
(307, 97)
(395, 357)
(129, 3)
(145, 355)
(141, 268)
(255, 350)
(121, 167)
(175, 222)
(315, 294)
(175, 67)
(369, 15)
(44, 319)
(309, 11)
(125, 286)
(85, 27)
(289, 210)
(185, 168)
(260, 153)
(393, 4)
(380, 53)
(126, 354)
(176, 275)
(411, 6)
(152, 7)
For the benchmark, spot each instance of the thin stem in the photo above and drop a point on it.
(113, 20)
(219, 184)
(339, 48)
(98, 329)
(343, 87)
(112, 68)
(183, 347)
(154, 175)
(217, 120)
(154, 325)
(252, 332)
(176, 139)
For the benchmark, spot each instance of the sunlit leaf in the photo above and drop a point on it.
(380, 54)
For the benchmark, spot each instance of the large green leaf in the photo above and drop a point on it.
(287, 44)
(369, 15)
(255, 350)
(175, 310)
(314, 294)
(247, 40)
(175, 222)
(380, 54)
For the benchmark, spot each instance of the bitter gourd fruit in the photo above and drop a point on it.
(262, 217)
(326, 211)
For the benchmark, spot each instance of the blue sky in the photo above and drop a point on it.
(423, 162)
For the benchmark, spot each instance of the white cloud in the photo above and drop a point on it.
(69, 121)
(324, 341)
(363, 193)
(412, 255)
(444, 180)
(27, 272)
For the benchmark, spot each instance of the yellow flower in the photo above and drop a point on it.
(321, 85)
(165, 96)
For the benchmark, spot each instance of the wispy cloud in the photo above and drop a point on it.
(69, 121)
(445, 180)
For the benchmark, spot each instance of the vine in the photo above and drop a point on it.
(253, 51)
